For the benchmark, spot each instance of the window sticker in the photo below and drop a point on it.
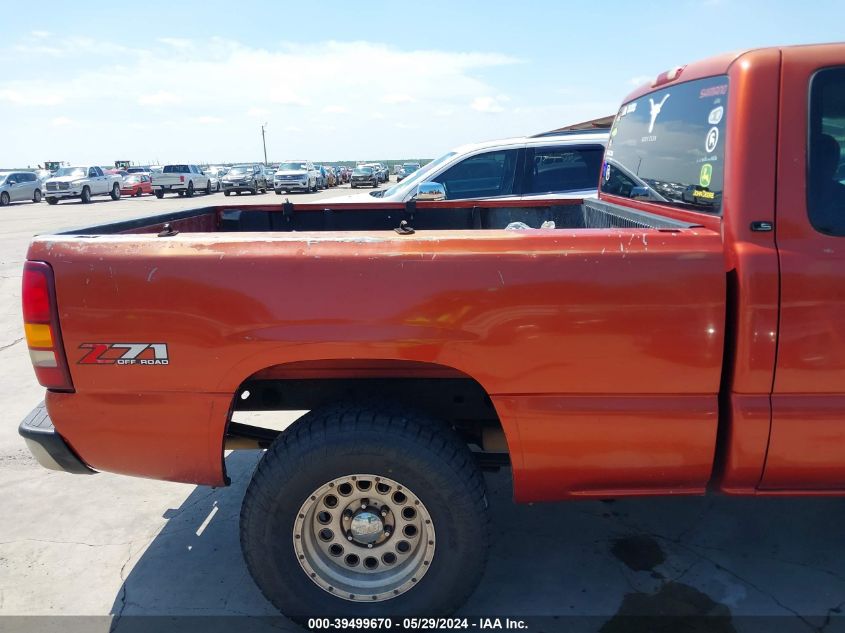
(712, 140)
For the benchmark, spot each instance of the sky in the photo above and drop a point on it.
(157, 82)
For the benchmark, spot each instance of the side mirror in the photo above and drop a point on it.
(431, 191)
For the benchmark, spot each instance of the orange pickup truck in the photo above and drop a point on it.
(682, 333)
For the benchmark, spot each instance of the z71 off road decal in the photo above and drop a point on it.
(124, 354)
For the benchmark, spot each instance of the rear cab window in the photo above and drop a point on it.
(826, 167)
(668, 147)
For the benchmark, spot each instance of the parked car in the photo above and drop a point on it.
(216, 175)
(295, 175)
(43, 175)
(136, 185)
(81, 182)
(406, 170)
(184, 180)
(364, 177)
(322, 177)
(345, 172)
(17, 186)
(269, 174)
(331, 176)
(561, 165)
(241, 178)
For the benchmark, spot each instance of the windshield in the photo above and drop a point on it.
(409, 167)
(239, 170)
(71, 171)
(412, 181)
(133, 179)
(293, 166)
(362, 171)
(669, 146)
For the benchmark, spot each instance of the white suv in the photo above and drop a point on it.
(545, 166)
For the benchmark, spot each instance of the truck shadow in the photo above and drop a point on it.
(591, 564)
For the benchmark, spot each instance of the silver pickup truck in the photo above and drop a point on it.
(184, 180)
(83, 183)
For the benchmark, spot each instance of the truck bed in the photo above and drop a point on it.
(439, 216)
(600, 340)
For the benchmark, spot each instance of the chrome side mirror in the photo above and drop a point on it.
(431, 191)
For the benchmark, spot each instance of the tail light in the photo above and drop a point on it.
(181, 179)
(41, 325)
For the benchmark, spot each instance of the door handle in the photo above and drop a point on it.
(762, 226)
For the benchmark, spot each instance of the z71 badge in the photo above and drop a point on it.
(124, 354)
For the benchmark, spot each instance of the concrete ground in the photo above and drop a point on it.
(106, 545)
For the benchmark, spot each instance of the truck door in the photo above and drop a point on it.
(807, 439)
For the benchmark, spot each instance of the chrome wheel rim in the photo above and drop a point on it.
(364, 538)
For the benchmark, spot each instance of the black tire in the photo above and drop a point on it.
(227, 193)
(420, 453)
(218, 186)
(36, 197)
(354, 186)
(159, 194)
(4, 199)
(190, 191)
(115, 192)
(86, 195)
(278, 192)
(52, 201)
(139, 193)
(208, 187)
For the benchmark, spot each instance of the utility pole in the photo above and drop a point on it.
(264, 143)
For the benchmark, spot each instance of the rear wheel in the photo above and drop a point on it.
(36, 197)
(115, 192)
(86, 195)
(366, 510)
(208, 188)
(159, 194)
(190, 191)
(4, 199)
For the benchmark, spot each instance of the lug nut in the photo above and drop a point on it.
(349, 537)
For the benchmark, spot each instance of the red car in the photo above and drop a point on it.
(136, 185)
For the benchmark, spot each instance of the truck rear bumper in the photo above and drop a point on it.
(47, 446)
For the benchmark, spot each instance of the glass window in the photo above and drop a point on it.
(826, 167)
(670, 144)
(481, 176)
(555, 169)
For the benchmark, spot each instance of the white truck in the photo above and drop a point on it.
(184, 180)
(81, 182)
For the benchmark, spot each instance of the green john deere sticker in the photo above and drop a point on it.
(705, 175)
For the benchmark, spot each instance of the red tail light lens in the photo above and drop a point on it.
(41, 325)
(181, 179)
(36, 294)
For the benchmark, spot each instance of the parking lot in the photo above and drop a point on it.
(106, 545)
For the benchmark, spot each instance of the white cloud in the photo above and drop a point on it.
(397, 98)
(126, 88)
(36, 96)
(159, 98)
(639, 80)
(40, 34)
(176, 42)
(61, 121)
(489, 104)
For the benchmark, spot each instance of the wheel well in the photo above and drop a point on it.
(441, 392)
